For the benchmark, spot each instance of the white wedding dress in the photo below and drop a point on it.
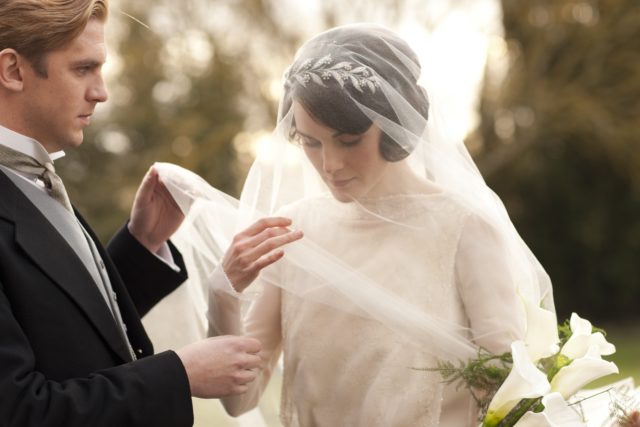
(379, 289)
(345, 369)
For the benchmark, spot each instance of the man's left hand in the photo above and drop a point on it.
(155, 216)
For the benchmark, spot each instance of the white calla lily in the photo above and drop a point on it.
(581, 372)
(524, 381)
(582, 339)
(556, 413)
(542, 331)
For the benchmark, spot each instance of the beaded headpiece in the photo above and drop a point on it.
(323, 69)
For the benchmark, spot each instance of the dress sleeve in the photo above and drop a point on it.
(489, 295)
(261, 322)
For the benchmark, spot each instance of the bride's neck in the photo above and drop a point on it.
(399, 178)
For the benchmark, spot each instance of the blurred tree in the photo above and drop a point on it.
(165, 106)
(559, 144)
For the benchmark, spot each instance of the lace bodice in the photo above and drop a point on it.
(342, 367)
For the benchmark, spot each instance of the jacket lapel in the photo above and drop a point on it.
(50, 251)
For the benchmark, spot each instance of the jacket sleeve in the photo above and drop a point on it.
(157, 384)
(148, 279)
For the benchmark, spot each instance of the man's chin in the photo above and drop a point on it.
(76, 140)
(70, 142)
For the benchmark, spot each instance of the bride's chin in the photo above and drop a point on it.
(342, 197)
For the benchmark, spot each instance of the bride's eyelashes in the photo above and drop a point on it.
(310, 142)
(307, 141)
(350, 140)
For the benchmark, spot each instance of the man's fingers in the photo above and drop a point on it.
(239, 389)
(162, 192)
(252, 363)
(245, 377)
(146, 189)
(251, 346)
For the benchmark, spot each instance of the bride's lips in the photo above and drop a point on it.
(339, 183)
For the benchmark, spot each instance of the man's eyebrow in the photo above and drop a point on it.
(88, 63)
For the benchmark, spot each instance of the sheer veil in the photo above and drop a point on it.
(370, 75)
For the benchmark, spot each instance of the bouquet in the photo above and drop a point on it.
(535, 384)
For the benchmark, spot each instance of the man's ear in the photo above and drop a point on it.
(11, 74)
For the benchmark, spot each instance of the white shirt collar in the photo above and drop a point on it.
(26, 145)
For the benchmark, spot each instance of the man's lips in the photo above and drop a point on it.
(86, 118)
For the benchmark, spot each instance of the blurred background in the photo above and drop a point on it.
(546, 94)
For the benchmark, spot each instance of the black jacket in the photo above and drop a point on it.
(62, 359)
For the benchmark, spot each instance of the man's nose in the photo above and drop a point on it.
(98, 92)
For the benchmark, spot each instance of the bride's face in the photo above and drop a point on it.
(350, 165)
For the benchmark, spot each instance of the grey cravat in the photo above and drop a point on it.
(45, 171)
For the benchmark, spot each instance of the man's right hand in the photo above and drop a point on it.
(221, 366)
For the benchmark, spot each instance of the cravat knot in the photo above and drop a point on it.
(47, 175)
(45, 171)
(49, 167)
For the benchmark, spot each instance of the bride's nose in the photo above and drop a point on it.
(332, 158)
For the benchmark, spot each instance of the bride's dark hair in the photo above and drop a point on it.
(333, 103)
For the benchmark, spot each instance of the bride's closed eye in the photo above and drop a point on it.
(307, 141)
(345, 140)
(350, 140)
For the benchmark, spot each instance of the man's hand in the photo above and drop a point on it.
(255, 248)
(221, 366)
(155, 216)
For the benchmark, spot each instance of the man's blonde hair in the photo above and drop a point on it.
(35, 27)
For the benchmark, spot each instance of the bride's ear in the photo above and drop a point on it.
(11, 72)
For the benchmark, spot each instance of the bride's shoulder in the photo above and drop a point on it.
(458, 216)
(448, 204)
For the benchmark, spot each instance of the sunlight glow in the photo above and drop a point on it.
(453, 57)
(190, 51)
(260, 144)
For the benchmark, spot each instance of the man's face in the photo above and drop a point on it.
(58, 107)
